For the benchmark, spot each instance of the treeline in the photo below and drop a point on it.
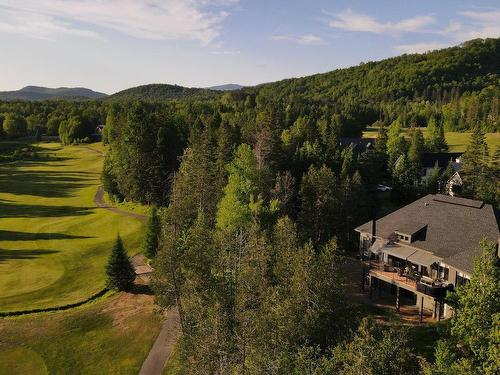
(72, 121)
(457, 87)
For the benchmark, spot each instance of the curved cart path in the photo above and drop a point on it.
(99, 202)
(163, 346)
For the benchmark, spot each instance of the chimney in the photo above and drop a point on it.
(374, 229)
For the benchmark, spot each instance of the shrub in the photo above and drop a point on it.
(15, 125)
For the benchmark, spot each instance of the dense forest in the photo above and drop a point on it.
(257, 197)
(164, 92)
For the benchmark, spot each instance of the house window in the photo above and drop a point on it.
(443, 272)
(423, 271)
(461, 279)
(395, 261)
(403, 237)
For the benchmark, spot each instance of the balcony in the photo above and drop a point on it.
(436, 291)
(411, 281)
(390, 274)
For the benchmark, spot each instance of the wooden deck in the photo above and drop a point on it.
(394, 278)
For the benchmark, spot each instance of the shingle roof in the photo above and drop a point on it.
(429, 159)
(359, 145)
(455, 226)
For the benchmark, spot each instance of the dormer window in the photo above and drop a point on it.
(404, 237)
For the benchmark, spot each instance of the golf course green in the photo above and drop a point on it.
(54, 241)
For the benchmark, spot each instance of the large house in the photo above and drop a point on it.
(426, 248)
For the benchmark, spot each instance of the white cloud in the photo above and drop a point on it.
(471, 24)
(148, 19)
(226, 52)
(420, 47)
(308, 39)
(38, 25)
(352, 21)
(481, 24)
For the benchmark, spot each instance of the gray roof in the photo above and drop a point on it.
(429, 159)
(454, 227)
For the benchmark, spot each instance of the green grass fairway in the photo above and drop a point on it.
(457, 142)
(54, 242)
(111, 336)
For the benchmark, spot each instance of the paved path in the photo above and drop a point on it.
(163, 347)
(99, 201)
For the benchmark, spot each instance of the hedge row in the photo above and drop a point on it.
(57, 308)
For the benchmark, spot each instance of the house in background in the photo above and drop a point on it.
(359, 145)
(453, 184)
(441, 159)
(426, 248)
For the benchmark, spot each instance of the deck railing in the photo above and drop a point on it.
(412, 280)
(396, 274)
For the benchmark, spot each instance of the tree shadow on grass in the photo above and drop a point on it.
(9, 210)
(141, 289)
(6, 255)
(7, 235)
(50, 184)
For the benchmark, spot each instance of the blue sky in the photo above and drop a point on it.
(110, 45)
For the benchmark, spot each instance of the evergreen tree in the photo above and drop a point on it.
(152, 236)
(396, 144)
(348, 162)
(415, 153)
(404, 190)
(119, 271)
(475, 162)
(433, 182)
(381, 141)
(319, 195)
(243, 185)
(436, 141)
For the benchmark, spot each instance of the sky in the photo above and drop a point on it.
(110, 45)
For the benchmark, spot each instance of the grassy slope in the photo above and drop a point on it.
(457, 142)
(54, 242)
(110, 336)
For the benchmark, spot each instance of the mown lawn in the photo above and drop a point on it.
(54, 241)
(110, 336)
(457, 142)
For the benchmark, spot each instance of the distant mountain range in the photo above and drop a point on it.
(227, 87)
(44, 93)
(152, 91)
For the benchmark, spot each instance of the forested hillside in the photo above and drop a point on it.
(458, 85)
(163, 92)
